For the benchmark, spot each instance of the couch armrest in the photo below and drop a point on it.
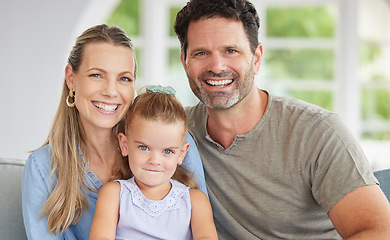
(11, 219)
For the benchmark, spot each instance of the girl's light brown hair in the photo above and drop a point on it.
(163, 107)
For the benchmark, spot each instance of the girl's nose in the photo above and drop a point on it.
(154, 158)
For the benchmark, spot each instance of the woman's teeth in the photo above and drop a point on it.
(106, 107)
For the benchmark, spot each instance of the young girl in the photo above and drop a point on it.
(158, 202)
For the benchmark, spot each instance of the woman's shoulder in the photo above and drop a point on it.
(40, 158)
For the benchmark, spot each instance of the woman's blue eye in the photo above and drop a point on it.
(126, 79)
(143, 148)
(96, 75)
(168, 151)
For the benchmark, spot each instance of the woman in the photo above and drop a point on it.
(61, 179)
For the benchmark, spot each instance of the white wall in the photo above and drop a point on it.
(36, 37)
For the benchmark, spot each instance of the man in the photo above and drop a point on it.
(275, 167)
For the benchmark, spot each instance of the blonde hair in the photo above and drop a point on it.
(66, 203)
(163, 107)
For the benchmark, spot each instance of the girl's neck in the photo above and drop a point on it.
(154, 193)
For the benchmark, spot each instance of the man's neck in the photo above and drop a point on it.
(224, 125)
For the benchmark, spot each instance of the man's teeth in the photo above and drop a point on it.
(106, 107)
(219, 82)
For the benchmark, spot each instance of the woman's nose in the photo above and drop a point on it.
(110, 88)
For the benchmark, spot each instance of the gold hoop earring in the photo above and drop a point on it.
(70, 104)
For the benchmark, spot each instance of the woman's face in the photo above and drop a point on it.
(103, 85)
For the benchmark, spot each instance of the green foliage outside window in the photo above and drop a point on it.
(310, 64)
(302, 22)
(376, 104)
(127, 16)
(172, 17)
(320, 98)
(302, 65)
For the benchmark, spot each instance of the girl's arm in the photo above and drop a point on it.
(107, 212)
(202, 223)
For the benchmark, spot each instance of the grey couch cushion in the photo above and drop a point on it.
(383, 177)
(11, 219)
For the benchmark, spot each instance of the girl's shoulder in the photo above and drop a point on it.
(197, 195)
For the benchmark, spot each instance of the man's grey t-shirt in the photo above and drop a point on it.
(281, 179)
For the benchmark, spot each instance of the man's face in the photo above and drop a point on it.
(220, 65)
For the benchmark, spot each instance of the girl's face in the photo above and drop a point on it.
(154, 150)
(103, 85)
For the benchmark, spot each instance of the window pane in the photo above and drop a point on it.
(138, 55)
(376, 135)
(174, 58)
(299, 64)
(300, 21)
(374, 71)
(376, 104)
(321, 98)
(172, 17)
(127, 16)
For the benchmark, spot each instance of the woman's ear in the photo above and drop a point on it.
(123, 144)
(183, 152)
(69, 77)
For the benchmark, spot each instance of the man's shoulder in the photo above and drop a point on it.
(196, 112)
(294, 105)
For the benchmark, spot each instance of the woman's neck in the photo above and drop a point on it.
(101, 153)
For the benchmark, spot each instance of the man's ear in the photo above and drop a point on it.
(257, 58)
(123, 144)
(183, 152)
(69, 77)
(183, 61)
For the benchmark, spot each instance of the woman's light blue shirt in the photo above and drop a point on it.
(36, 188)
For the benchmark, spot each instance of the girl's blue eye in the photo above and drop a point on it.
(168, 151)
(143, 148)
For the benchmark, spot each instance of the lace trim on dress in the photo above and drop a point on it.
(156, 208)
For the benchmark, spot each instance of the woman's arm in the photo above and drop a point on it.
(35, 191)
(107, 212)
(193, 163)
(202, 223)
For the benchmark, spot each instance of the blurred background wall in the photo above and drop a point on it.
(333, 53)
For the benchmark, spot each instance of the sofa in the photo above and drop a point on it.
(11, 219)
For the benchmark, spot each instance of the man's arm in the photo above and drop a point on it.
(362, 214)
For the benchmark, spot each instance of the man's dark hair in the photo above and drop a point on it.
(240, 10)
